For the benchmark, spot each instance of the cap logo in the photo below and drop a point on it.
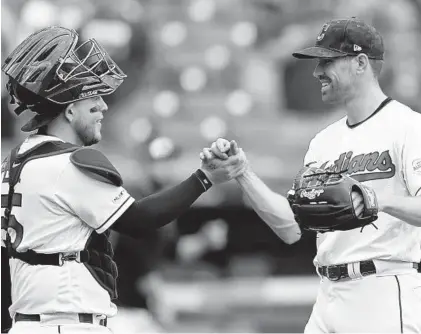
(323, 31)
(357, 47)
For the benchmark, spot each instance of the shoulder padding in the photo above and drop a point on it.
(96, 162)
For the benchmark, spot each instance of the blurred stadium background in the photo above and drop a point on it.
(199, 70)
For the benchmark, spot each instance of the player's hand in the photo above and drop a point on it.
(222, 170)
(358, 203)
(222, 148)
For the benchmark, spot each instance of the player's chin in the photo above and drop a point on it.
(328, 99)
(95, 139)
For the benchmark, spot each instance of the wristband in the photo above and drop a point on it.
(206, 183)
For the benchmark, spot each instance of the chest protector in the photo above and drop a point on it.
(98, 254)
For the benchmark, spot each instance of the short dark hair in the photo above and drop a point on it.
(376, 66)
(43, 130)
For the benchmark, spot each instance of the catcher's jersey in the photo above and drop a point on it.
(60, 207)
(383, 152)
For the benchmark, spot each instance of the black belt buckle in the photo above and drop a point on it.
(89, 319)
(333, 273)
(68, 257)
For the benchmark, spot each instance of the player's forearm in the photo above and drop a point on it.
(273, 208)
(405, 208)
(159, 209)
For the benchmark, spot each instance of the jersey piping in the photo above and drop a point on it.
(380, 107)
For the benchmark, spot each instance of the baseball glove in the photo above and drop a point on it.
(322, 201)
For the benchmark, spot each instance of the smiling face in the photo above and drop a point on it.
(338, 78)
(86, 122)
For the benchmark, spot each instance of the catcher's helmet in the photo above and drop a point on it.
(48, 69)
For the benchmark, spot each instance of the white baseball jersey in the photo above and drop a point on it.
(383, 152)
(61, 206)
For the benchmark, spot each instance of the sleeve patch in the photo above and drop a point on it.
(96, 162)
(416, 165)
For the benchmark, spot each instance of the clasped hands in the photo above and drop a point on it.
(223, 161)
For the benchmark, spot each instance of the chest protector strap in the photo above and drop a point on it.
(98, 253)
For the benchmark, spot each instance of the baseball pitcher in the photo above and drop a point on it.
(359, 190)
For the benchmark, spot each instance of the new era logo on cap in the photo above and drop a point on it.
(339, 38)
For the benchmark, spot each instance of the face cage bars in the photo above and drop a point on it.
(95, 50)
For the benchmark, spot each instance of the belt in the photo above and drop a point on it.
(341, 271)
(56, 259)
(87, 318)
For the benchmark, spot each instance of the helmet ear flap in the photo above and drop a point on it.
(12, 87)
(23, 95)
(45, 110)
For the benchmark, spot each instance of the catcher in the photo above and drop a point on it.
(60, 197)
(360, 191)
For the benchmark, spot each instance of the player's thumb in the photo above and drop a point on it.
(223, 145)
(233, 147)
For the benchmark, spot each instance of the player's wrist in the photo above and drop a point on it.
(383, 201)
(246, 175)
(203, 178)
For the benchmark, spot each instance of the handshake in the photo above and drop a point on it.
(223, 161)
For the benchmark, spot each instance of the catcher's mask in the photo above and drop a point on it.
(49, 65)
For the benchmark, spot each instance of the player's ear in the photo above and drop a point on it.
(362, 63)
(69, 113)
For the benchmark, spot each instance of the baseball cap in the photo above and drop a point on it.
(346, 37)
